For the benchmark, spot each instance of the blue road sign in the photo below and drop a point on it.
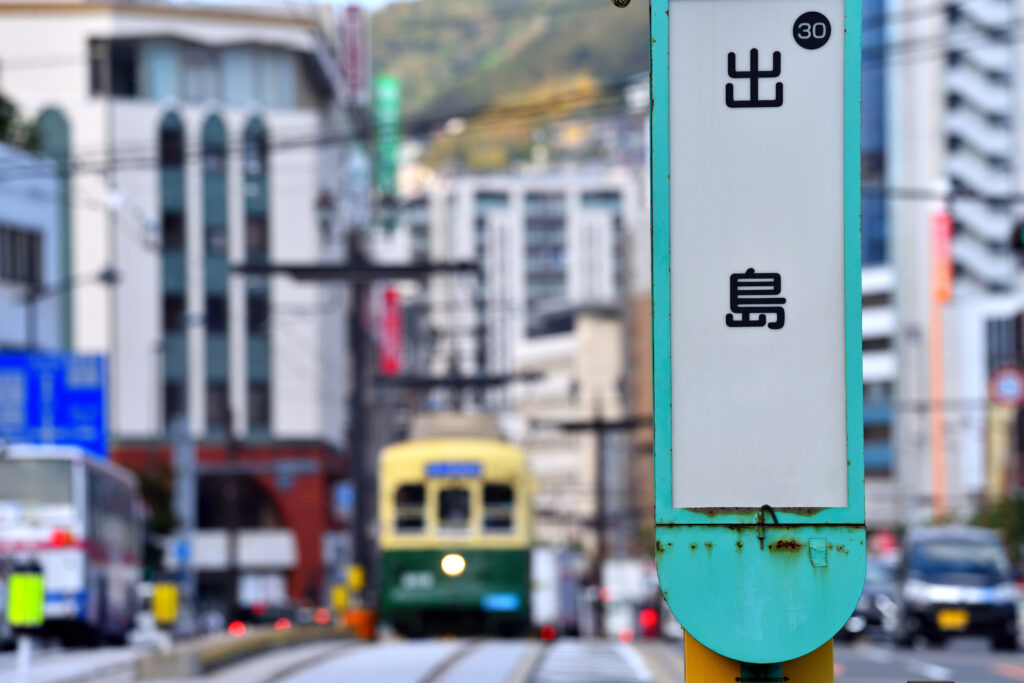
(54, 398)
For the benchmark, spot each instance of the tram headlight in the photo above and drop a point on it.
(453, 564)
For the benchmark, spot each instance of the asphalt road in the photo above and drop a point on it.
(450, 660)
(964, 661)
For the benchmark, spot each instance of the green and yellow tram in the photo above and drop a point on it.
(454, 530)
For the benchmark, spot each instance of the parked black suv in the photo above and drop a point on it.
(955, 581)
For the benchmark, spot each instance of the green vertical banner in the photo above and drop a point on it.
(387, 119)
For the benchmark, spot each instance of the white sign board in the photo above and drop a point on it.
(757, 271)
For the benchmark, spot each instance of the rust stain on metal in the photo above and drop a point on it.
(693, 546)
(659, 547)
(707, 544)
(739, 544)
(785, 544)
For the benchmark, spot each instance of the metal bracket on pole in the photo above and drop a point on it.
(761, 673)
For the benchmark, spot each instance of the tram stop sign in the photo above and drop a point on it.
(759, 477)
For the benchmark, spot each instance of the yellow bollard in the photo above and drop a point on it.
(356, 576)
(706, 666)
(165, 603)
(339, 598)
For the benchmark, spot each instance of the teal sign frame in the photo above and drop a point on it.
(757, 585)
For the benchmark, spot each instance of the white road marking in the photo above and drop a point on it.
(928, 670)
(874, 654)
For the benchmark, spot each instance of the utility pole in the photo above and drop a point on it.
(360, 272)
(601, 428)
(231, 505)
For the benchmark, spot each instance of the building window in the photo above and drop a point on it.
(174, 405)
(172, 210)
(172, 152)
(259, 406)
(113, 67)
(216, 405)
(878, 344)
(257, 312)
(174, 312)
(877, 391)
(880, 432)
(255, 170)
(214, 145)
(878, 299)
(216, 242)
(216, 313)
(54, 141)
(545, 258)
(173, 230)
(256, 235)
(21, 253)
(201, 72)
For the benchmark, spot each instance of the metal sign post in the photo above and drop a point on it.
(759, 478)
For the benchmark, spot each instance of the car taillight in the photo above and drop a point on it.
(61, 537)
(648, 619)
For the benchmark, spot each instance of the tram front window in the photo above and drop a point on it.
(498, 507)
(454, 510)
(409, 508)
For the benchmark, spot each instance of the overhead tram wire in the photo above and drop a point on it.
(505, 114)
(496, 116)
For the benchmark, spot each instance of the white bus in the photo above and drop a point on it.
(80, 517)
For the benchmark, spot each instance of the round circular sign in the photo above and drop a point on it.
(1006, 386)
(812, 30)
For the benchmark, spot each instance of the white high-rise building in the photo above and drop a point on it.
(953, 145)
(195, 137)
(191, 135)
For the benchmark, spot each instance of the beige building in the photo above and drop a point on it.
(582, 381)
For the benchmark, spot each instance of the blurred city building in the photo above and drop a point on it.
(198, 137)
(32, 252)
(879, 328)
(951, 196)
(550, 303)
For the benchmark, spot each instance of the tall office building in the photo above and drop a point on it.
(191, 138)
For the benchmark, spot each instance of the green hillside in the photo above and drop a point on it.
(458, 56)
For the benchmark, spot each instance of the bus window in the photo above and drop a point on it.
(498, 510)
(35, 482)
(454, 510)
(409, 508)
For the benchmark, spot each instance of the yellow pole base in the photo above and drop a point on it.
(706, 666)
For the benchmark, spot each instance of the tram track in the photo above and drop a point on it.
(447, 664)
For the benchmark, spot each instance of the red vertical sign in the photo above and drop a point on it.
(389, 346)
(354, 46)
(942, 256)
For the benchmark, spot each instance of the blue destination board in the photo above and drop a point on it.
(54, 398)
(453, 469)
